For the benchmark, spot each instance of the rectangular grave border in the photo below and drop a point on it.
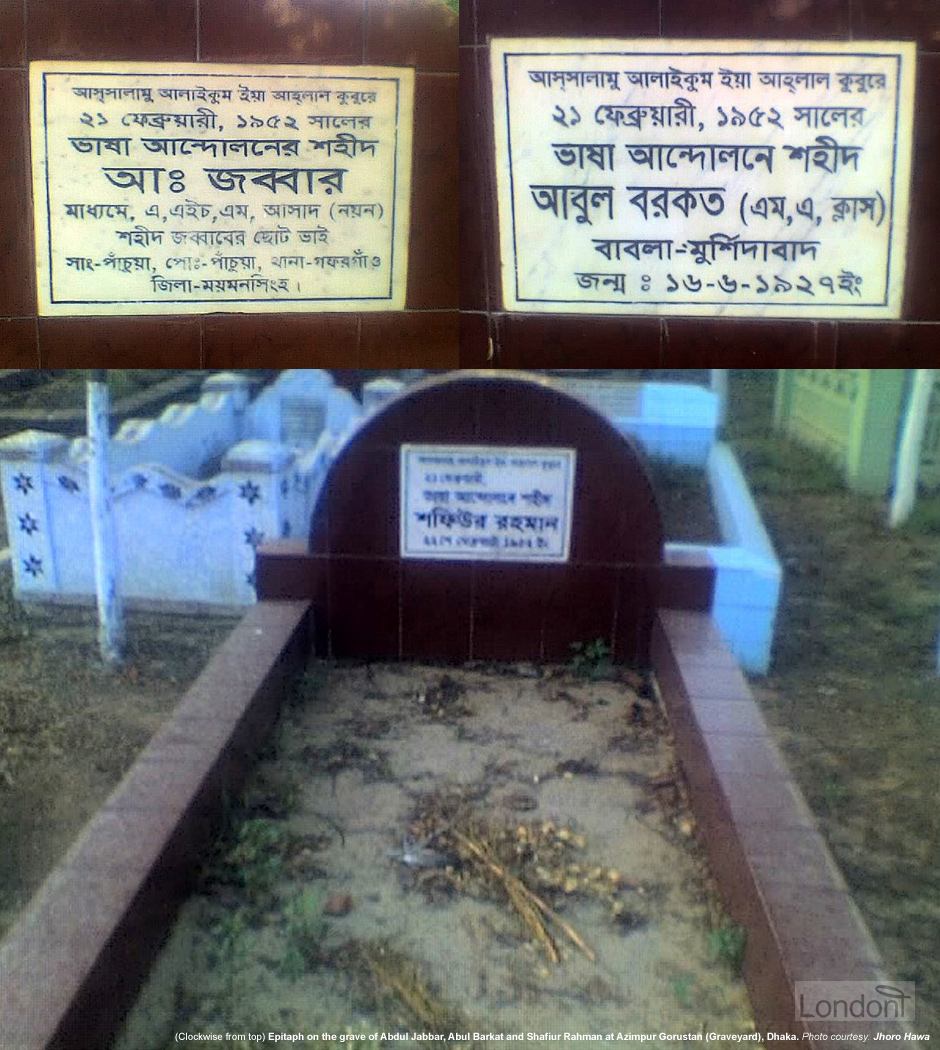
(74, 962)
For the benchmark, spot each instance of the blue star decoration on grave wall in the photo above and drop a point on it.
(69, 484)
(285, 487)
(253, 537)
(249, 491)
(33, 565)
(250, 578)
(285, 528)
(22, 482)
(171, 491)
(28, 524)
(140, 481)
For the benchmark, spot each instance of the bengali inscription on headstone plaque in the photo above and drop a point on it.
(483, 503)
(703, 177)
(204, 188)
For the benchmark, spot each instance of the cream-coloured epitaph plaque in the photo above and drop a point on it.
(717, 177)
(170, 189)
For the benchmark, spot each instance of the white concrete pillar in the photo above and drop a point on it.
(104, 536)
(30, 462)
(260, 474)
(378, 392)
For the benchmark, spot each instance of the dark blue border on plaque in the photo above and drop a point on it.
(801, 307)
(159, 302)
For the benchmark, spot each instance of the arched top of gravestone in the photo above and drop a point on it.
(615, 517)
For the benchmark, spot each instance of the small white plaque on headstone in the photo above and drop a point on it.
(486, 503)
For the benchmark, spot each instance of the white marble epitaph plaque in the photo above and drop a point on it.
(703, 177)
(177, 189)
(483, 503)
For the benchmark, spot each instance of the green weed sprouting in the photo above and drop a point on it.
(727, 944)
(590, 660)
(305, 927)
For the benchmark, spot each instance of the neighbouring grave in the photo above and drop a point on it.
(175, 189)
(196, 490)
(853, 417)
(730, 178)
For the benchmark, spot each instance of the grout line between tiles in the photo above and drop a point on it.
(365, 32)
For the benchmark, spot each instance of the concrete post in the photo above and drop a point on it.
(29, 464)
(260, 473)
(110, 612)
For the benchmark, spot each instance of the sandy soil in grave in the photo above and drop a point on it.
(513, 745)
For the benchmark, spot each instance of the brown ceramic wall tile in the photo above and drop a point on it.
(285, 570)
(634, 616)
(57, 951)
(487, 176)
(446, 417)
(318, 32)
(410, 340)
(420, 33)
(758, 19)
(135, 342)
(721, 682)
(880, 345)
(474, 236)
(428, 631)
(694, 342)
(845, 953)
(564, 18)
(18, 347)
(745, 755)
(154, 30)
(689, 586)
(579, 607)
(808, 861)
(912, 20)
(433, 248)
(922, 277)
(468, 16)
(768, 986)
(364, 608)
(507, 610)
(12, 33)
(17, 295)
(727, 716)
(827, 340)
(764, 800)
(474, 341)
(695, 638)
(565, 341)
(280, 340)
(363, 518)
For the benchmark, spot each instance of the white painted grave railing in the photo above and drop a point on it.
(192, 541)
(679, 422)
(183, 538)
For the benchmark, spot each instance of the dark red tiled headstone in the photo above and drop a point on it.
(380, 603)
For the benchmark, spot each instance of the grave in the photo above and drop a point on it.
(533, 464)
(211, 480)
(195, 491)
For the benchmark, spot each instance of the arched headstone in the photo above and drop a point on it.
(484, 516)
